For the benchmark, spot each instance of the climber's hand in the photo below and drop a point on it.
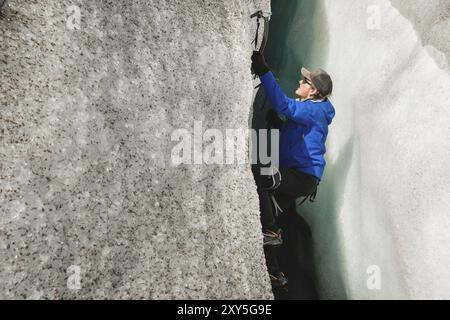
(259, 65)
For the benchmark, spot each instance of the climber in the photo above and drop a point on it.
(302, 143)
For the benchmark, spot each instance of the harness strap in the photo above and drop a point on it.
(311, 196)
(276, 205)
(275, 182)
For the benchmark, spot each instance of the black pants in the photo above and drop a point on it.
(295, 258)
(293, 184)
(295, 255)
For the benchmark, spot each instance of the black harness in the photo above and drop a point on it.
(311, 196)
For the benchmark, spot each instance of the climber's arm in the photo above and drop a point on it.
(291, 108)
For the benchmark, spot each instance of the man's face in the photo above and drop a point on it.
(305, 89)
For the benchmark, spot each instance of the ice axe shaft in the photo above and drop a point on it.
(266, 17)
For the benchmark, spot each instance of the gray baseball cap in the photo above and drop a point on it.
(320, 79)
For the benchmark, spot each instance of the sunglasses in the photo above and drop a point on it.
(307, 82)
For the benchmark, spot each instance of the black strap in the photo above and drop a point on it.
(257, 32)
(266, 17)
(266, 33)
(311, 196)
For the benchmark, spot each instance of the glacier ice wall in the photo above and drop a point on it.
(380, 222)
(91, 205)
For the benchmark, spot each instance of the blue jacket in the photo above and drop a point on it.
(303, 135)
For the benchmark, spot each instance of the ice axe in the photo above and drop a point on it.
(266, 17)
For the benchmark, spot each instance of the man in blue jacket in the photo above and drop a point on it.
(301, 145)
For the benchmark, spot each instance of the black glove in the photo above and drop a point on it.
(259, 65)
(273, 120)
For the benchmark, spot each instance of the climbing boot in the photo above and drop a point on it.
(272, 238)
(278, 280)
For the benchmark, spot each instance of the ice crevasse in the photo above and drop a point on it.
(380, 223)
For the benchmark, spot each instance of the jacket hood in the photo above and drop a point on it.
(329, 111)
